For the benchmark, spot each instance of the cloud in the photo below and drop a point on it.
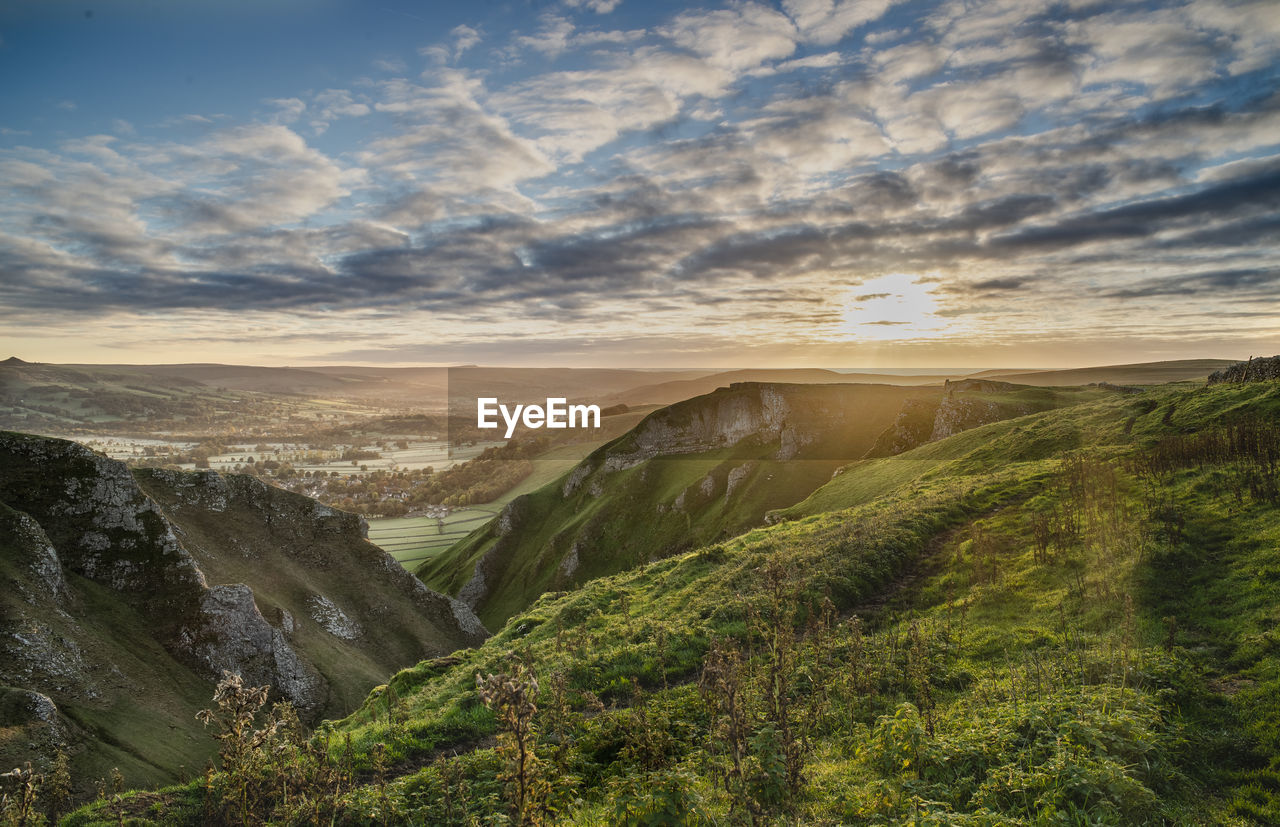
(597, 6)
(988, 285)
(742, 171)
(450, 150)
(464, 37)
(392, 65)
(332, 104)
(1235, 283)
(552, 38)
(572, 113)
(288, 110)
(734, 39)
(1144, 219)
(828, 21)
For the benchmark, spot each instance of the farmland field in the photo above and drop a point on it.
(413, 539)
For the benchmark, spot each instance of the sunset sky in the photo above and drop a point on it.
(847, 183)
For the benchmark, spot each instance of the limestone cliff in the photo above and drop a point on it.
(131, 594)
(691, 473)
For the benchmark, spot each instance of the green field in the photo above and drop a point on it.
(413, 539)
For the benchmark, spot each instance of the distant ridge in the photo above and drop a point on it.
(1141, 373)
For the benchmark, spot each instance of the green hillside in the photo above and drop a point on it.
(1010, 638)
(1061, 618)
(696, 472)
(671, 485)
(129, 592)
(981, 411)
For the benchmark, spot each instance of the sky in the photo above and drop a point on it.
(628, 183)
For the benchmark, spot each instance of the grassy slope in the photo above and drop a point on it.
(1090, 603)
(113, 658)
(969, 678)
(867, 479)
(272, 541)
(620, 519)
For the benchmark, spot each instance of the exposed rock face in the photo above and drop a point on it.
(574, 479)
(913, 426)
(124, 586)
(101, 523)
(41, 558)
(105, 529)
(236, 637)
(735, 478)
(956, 414)
(569, 565)
(930, 419)
(746, 411)
(334, 621)
(1264, 369)
(697, 470)
(33, 717)
(492, 564)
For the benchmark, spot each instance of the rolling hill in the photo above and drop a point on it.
(1145, 373)
(129, 593)
(702, 470)
(1060, 617)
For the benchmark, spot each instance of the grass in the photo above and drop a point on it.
(411, 540)
(667, 504)
(1017, 630)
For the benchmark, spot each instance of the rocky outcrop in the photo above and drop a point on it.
(736, 477)
(32, 718)
(1263, 369)
(960, 408)
(695, 471)
(101, 525)
(759, 412)
(127, 585)
(956, 414)
(234, 636)
(913, 426)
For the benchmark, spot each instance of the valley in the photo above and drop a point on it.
(979, 601)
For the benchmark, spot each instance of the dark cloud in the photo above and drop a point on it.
(997, 285)
(1144, 218)
(1228, 283)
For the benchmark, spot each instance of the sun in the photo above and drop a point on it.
(894, 306)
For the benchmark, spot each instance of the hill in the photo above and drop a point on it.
(670, 392)
(1144, 373)
(1065, 619)
(66, 399)
(702, 470)
(130, 593)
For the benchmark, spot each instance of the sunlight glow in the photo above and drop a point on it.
(896, 306)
